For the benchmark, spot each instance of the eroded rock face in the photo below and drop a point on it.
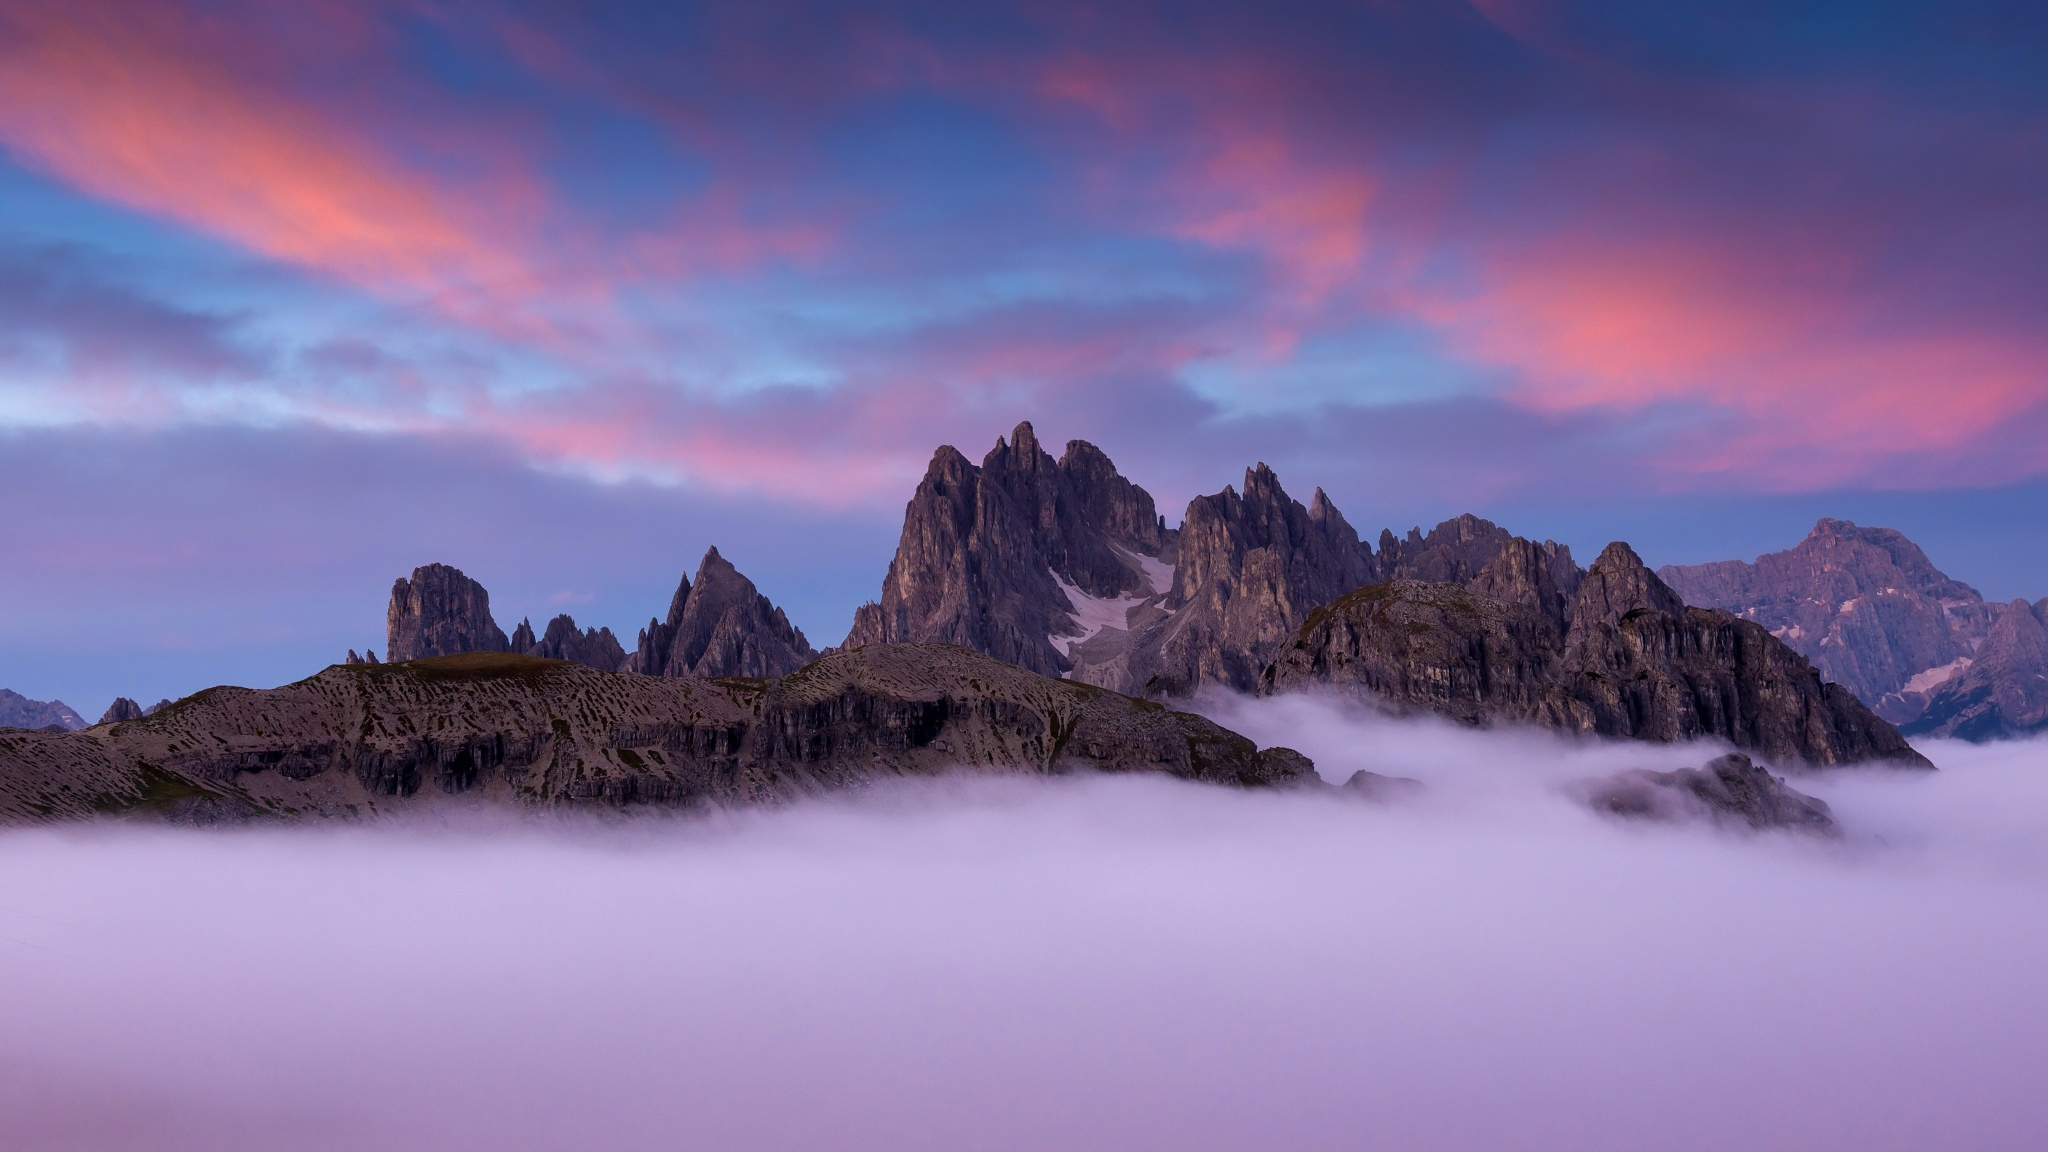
(2004, 692)
(590, 647)
(440, 612)
(18, 711)
(1864, 604)
(364, 739)
(1007, 558)
(1629, 666)
(720, 625)
(1250, 568)
(1729, 790)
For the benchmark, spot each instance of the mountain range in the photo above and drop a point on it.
(1062, 572)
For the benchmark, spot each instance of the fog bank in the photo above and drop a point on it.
(1080, 963)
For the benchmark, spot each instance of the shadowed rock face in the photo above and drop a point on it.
(369, 738)
(984, 552)
(720, 625)
(18, 711)
(591, 647)
(2005, 691)
(1630, 666)
(440, 612)
(1864, 604)
(1729, 790)
(1250, 568)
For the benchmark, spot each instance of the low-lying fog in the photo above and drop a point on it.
(1070, 964)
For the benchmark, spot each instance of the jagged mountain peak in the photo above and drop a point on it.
(988, 554)
(719, 624)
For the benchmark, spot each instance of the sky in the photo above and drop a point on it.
(297, 297)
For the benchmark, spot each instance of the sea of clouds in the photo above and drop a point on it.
(1080, 963)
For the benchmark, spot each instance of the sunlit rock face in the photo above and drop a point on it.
(1634, 662)
(1864, 604)
(1006, 558)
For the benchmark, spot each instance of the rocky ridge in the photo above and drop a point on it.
(18, 711)
(2003, 692)
(1864, 604)
(1632, 662)
(590, 647)
(1250, 567)
(364, 739)
(1019, 557)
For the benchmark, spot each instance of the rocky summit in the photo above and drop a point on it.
(1630, 661)
(440, 612)
(2003, 692)
(720, 625)
(18, 711)
(364, 739)
(1021, 557)
(1250, 567)
(591, 647)
(1864, 604)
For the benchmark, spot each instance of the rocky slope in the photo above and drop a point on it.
(358, 740)
(1632, 662)
(720, 625)
(18, 711)
(440, 612)
(1019, 557)
(2004, 691)
(1864, 604)
(1250, 567)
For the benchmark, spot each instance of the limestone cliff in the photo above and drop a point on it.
(363, 739)
(440, 612)
(1250, 567)
(1018, 557)
(2004, 692)
(1864, 604)
(1634, 663)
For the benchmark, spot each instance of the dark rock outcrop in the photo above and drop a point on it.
(121, 709)
(2004, 691)
(1729, 790)
(591, 647)
(18, 711)
(1634, 663)
(364, 739)
(440, 612)
(1864, 604)
(1250, 567)
(1017, 555)
(719, 625)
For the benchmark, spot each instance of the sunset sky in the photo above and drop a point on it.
(296, 297)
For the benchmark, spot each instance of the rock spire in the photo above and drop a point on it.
(720, 625)
(440, 612)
